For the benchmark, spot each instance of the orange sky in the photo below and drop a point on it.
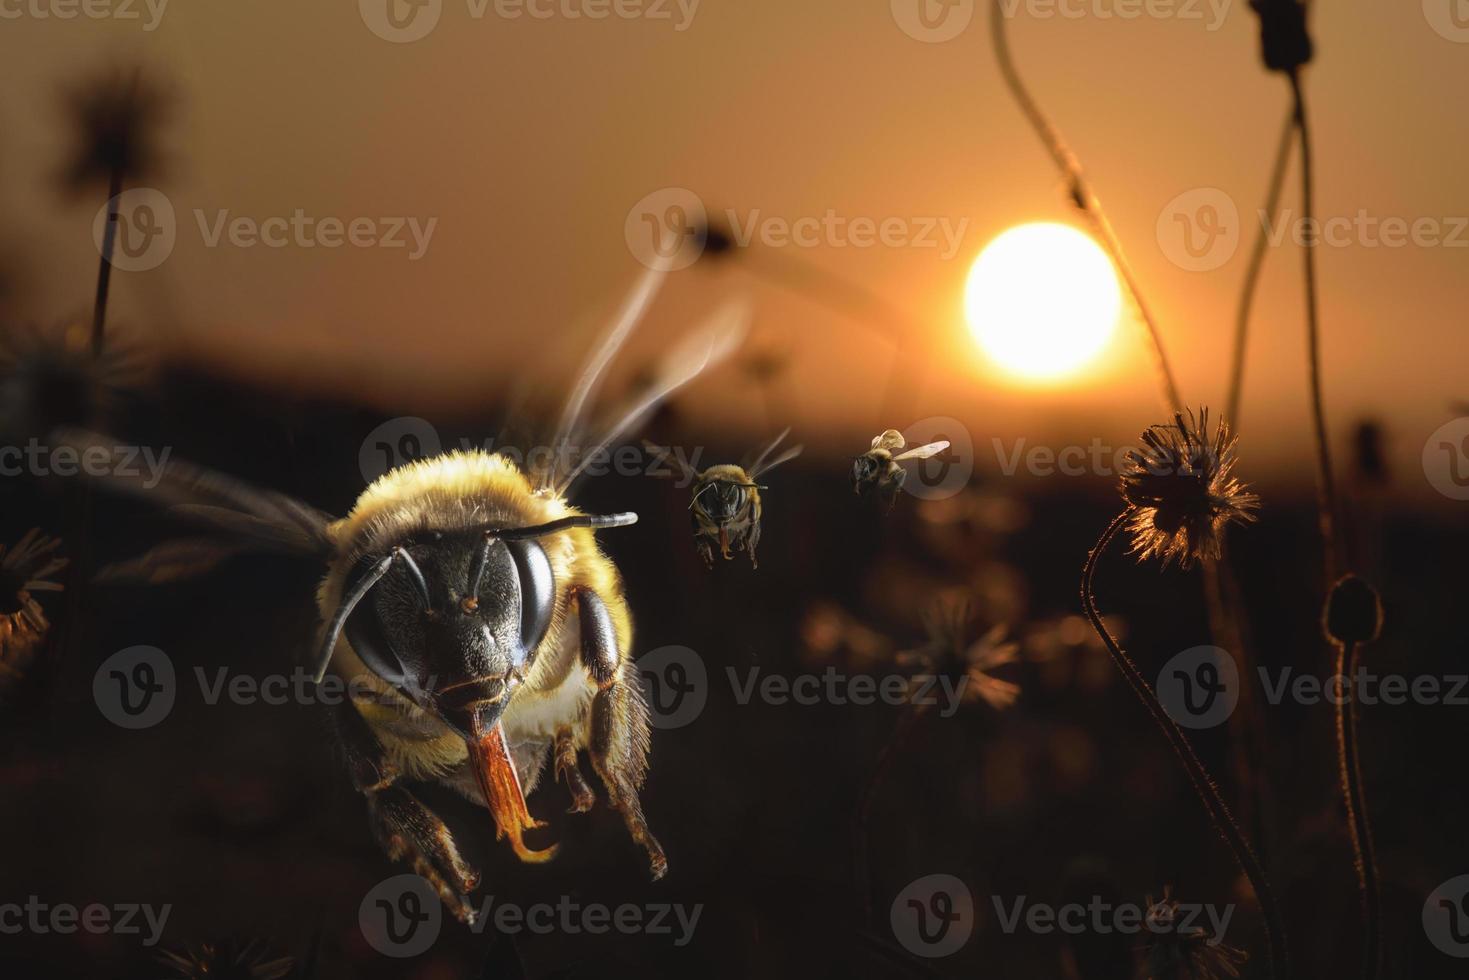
(529, 140)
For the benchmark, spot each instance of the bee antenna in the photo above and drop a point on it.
(417, 574)
(593, 521)
(349, 602)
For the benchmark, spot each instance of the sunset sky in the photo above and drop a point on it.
(524, 144)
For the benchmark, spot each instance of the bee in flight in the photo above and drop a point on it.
(476, 622)
(726, 508)
(879, 468)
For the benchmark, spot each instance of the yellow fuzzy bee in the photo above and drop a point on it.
(479, 626)
(726, 507)
(879, 468)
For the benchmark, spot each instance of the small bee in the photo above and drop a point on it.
(878, 467)
(478, 625)
(726, 508)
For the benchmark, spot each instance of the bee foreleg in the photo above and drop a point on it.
(403, 826)
(619, 723)
(582, 797)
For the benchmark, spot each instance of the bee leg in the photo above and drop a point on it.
(619, 750)
(582, 797)
(619, 723)
(894, 487)
(402, 825)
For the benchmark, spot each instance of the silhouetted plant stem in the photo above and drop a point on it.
(1252, 270)
(1082, 196)
(1357, 817)
(104, 270)
(1277, 953)
(902, 734)
(1325, 481)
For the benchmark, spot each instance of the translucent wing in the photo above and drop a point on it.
(892, 440)
(923, 452)
(707, 346)
(634, 308)
(764, 463)
(240, 518)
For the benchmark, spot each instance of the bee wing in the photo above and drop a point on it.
(764, 464)
(242, 518)
(707, 346)
(892, 440)
(923, 452)
(629, 315)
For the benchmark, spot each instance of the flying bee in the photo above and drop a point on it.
(879, 468)
(477, 624)
(726, 507)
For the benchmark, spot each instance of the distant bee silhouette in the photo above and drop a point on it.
(878, 468)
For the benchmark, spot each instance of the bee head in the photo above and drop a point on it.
(724, 501)
(452, 619)
(865, 470)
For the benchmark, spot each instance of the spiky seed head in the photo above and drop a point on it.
(115, 118)
(1180, 487)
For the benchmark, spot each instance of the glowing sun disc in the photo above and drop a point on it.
(1042, 300)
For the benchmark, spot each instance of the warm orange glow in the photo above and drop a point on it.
(1042, 301)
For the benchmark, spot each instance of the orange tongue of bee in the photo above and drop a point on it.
(490, 756)
(724, 543)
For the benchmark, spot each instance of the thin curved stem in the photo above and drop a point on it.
(1325, 480)
(1277, 953)
(1354, 796)
(1256, 264)
(1083, 196)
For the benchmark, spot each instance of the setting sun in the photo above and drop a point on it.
(1042, 300)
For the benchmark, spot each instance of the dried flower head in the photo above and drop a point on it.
(229, 960)
(115, 119)
(1181, 490)
(967, 665)
(1285, 41)
(1353, 611)
(25, 569)
(1174, 951)
(51, 377)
